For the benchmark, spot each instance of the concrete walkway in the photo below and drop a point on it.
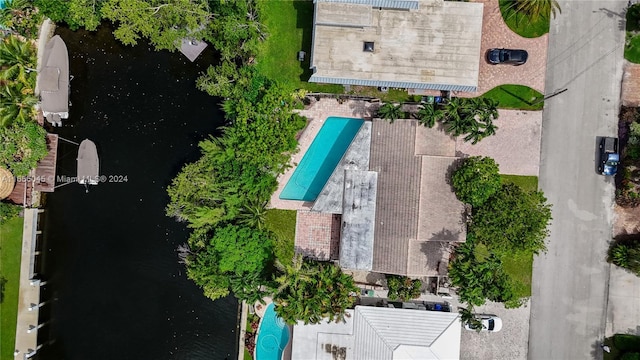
(29, 294)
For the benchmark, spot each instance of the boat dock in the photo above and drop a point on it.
(29, 295)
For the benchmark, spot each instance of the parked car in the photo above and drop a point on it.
(609, 157)
(507, 56)
(490, 323)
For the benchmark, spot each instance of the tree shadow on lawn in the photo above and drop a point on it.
(304, 21)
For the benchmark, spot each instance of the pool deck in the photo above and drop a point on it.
(316, 114)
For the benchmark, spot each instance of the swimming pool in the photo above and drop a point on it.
(273, 336)
(321, 158)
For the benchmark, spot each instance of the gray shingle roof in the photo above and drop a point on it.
(392, 156)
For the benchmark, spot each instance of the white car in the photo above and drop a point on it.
(490, 323)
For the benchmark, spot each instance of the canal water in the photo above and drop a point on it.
(109, 254)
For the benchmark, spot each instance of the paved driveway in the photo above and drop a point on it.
(515, 146)
(496, 34)
(508, 344)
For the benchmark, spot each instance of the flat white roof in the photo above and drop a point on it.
(434, 47)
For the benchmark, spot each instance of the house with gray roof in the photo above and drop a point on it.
(380, 333)
(412, 44)
(397, 212)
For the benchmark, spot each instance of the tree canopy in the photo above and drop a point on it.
(480, 279)
(476, 180)
(22, 145)
(236, 257)
(512, 220)
(310, 291)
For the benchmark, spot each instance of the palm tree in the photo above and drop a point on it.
(467, 317)
(311, 291)
(17, 60)
(254, 214)
(428, 115)
(16, 104)
(391, 112)
(535, 9)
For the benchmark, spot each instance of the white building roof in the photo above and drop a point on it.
(436, 46)
(382, 334)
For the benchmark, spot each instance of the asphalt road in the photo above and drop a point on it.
(570, 281)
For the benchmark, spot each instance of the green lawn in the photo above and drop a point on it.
(517, 97)
(528, 183)
(632, 49)
(283, 224)
(519, 266)
(520, 24)
(289, 24)
(10, 250)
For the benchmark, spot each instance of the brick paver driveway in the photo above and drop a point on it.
(496, 34)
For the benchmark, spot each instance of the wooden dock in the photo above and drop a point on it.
(45, 178)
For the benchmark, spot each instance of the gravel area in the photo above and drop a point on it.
(511, 343)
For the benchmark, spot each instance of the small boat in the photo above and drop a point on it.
(53, 81)
(88, 163)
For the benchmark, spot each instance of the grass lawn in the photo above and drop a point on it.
(528, 183)
(289, 24)
(517, 97)
(283, 224)
(10, 249)
(519, 266)
(520, 24)
(632, 50)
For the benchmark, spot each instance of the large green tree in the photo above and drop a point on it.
(22, 145)
(163, 22)
(512, 220)
(311, 292)
(476, 180)
(236, 31)
(236, 257)
(480, 279)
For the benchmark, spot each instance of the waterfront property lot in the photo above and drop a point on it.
(10, 248)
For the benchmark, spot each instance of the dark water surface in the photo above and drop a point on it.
(109, 254)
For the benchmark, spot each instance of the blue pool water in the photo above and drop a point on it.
(2, 4)
(321, 158)
(273, 336)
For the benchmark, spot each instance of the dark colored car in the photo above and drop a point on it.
(507, 56)
(609, 157)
